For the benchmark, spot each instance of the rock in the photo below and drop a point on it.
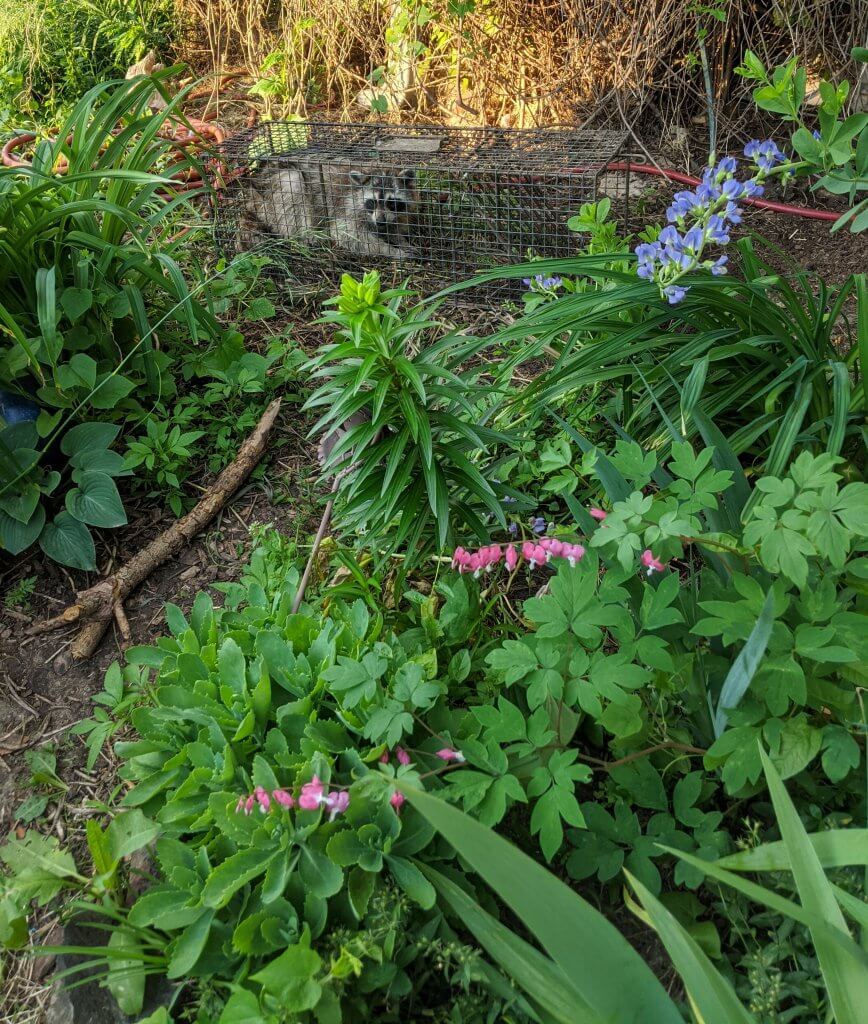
(92, 1003)
(60, 1009)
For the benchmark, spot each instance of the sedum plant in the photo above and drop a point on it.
(288, 867)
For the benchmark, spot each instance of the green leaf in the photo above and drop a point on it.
(74, 302)
(68, 542)
(291, 979)
(575, 935)
(320, 875)
(189, 945)
(126, 978)
(744, 667)
(412, 881)
(96, 501)
(110, 390)
(236, 871)
(709, 991)
(846, 979)
(259, 308)
(16, 536)
(837, 848)
(130, 831)
(242, 1007)
(841, 752)
(88, 436)
(543, 980)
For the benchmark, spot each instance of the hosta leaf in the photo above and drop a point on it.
(96, 501)
(87, 436)
(68, 542)
(16, 536)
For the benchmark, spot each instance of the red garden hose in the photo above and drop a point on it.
(686, 179)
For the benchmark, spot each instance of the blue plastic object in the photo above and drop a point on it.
(16, 409)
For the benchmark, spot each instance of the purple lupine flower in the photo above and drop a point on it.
(727, 166)
(539, 525)
(764, 154)
(694, 239)
(682, 204)
(817, 135)
(732, 213)
(674, 293)
(512, 529)
(718, 267)
(717, 230)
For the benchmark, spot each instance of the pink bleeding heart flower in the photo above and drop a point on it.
(598, 514)
(573, 553)
(448, 754)
(402, 755)
(458, 556)
(511, 557)
(262, 798)
(651, 563)
(337, 803)
(284, 798)
(527, 549)
(553, 546)
(239, 807)
(397, 801)
(475, 564)
(384, 757)
(311, 795)
(540, 555)
(248, 804)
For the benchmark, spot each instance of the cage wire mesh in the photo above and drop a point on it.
(430, 203)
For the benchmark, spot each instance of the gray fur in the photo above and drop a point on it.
(369, 213)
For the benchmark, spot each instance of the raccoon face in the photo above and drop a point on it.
(386, 200)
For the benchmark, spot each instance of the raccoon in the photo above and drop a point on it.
(363, 212)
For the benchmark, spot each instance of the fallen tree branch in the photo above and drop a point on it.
(99, 604)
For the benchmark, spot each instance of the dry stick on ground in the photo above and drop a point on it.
(96, 606)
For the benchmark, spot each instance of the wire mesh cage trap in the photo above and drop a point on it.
(435, 204)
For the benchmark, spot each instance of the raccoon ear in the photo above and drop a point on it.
(359, 178)
(407, 177)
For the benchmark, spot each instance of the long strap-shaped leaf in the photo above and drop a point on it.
(744, 667)
(599, 962)
(837, 848)
(846, 979)
(541, 979)
(710, 993)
